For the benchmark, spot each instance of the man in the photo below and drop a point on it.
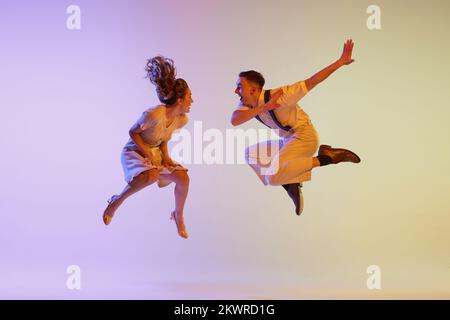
(278, 110)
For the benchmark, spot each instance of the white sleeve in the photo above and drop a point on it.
(147, 120)
(240, 106)
(293, 93)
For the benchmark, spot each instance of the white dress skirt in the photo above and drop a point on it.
(156, 130)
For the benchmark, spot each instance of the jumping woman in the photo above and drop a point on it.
(145, 158)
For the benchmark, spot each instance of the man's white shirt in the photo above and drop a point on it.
(289, 113)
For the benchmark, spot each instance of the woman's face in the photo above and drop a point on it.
(186, 102)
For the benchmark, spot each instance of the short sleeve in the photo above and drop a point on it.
(241, 106)
(294, 92)
(147, 120)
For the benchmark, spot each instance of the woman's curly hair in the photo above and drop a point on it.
(162, 73)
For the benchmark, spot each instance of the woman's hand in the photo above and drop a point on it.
(148, 159)
(167, 162)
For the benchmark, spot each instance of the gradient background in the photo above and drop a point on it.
(68, 99)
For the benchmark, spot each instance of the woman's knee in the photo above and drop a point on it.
(152, 176)
(181, 177)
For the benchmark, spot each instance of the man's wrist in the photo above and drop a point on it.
(260, 108)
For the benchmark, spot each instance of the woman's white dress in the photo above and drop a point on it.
(156, 130)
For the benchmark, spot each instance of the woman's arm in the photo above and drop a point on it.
(345, 59)
(166, 159)
(164, 150)
(135, 135)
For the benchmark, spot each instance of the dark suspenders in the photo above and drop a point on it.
(272, 114)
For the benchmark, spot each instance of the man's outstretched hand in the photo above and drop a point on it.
(346, 57)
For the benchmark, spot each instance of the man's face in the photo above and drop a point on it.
(247, 91)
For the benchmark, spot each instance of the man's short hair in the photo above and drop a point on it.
(253, 76)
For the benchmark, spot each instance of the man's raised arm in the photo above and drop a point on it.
(345, 59)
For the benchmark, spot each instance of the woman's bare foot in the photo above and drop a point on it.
(108, 214)
(179, 221)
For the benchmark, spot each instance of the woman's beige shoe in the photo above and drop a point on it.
(107, 215)
(181, 229)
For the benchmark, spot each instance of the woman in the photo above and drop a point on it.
(145, 158)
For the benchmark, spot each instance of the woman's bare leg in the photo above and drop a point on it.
(138, 183)
(181, 180)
